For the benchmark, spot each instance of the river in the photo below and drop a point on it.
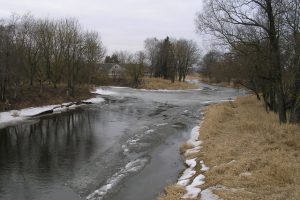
(126, 148)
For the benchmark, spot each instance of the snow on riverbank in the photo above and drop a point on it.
(191, 179)
(16, 116)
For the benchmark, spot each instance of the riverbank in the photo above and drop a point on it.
(163, 84)
(206, 80)
(250, 155)
(33, 96)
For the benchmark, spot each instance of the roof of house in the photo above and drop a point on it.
(108, 66)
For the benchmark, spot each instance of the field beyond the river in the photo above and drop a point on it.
(163, 84)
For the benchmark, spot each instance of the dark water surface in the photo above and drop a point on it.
(125, 148)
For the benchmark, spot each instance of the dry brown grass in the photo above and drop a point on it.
(266, 154)
(159, 83)
(174, 192)
(250, 155)
(205, 79)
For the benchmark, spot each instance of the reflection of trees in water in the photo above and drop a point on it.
(59, 142)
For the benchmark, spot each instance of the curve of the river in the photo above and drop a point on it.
(126, 148)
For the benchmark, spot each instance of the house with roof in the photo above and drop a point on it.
(113, 70)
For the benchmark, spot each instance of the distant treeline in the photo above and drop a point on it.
(44, 51)
(261, 41)
(168, 58)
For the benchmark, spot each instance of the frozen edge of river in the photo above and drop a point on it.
(191, 180)
(15, 116)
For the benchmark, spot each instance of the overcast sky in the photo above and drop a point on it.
(122, 24)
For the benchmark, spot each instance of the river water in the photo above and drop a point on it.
(126, 148)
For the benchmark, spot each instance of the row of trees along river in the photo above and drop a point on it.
(52, 53)
(38, 51)
(261, 39)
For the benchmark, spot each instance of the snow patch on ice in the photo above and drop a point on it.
(162, 124)
(94, 100)
(118, 87)
(131, 167)
(162, 90)
(102, 91)
(15, 116)
(149, 131)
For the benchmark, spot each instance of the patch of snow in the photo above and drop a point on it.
(102, 91)
(16, 116)
(187, 174)
(193, 150)
(149, 131)
(193, 189)
(118, 87)
(94, 100)
(162, 124)
(27, 112)
(194, 140)
(133, 141)
(131, 167)
(191, 163)
(161, 90)
(199, 180)
(125, 149)
(204, 168)
(183, 182)
(207, 194)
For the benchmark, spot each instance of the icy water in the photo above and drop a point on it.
(126, 148)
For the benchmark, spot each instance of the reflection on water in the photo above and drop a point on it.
(45, 151)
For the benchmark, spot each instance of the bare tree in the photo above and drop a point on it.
(135, 70)
(186, 55)
(39, 50)
(235, 22)
(152, 52)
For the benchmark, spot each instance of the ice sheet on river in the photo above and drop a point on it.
(131, 167)
(102, 91)
(15, 116)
